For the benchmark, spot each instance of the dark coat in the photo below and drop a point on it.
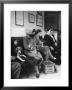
(48, 41)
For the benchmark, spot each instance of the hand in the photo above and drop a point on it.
(13, 57)
(52, 48)
(54, 58)
(55, 44)
(23, 55)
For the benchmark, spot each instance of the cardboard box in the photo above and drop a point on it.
(49, 67)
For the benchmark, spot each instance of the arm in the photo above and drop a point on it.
(51, 48)
(20, 58)
(13, 58)
(23, 55)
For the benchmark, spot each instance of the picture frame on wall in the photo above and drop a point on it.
(31, 18)
(39, 12)
(19, 18)
(5, 42)
(39, 20)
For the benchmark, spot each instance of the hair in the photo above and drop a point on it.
(15, 42)
(32, 35)
(34, 31)
(51, 27)
(18, 48)
(38, 30)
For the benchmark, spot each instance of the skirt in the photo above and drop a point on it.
(34, 58)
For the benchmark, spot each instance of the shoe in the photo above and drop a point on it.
(55, 69)
(37, 75)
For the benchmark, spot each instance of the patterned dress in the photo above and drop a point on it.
(33, 56)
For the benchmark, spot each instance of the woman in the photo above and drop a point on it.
(43, 49)
(17, 59)
(33, 56)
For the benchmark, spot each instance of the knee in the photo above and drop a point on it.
(19, 66)
(16, 65)
(39, 62)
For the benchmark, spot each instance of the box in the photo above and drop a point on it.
(49, 67)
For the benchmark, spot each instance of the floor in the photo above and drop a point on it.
(55, 75)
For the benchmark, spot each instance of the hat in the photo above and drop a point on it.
(32, 34)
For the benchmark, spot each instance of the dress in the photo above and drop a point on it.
(33, 56)
(15, 70)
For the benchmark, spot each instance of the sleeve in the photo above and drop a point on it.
(48, 40)
(38, 41)
(27, 44)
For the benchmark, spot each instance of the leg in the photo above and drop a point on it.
(38, 67)
(50, 54)
(39, 63)
(46, 51)
(15, 70)
(37, 71)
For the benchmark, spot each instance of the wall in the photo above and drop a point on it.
(20, 31)
(52, 19)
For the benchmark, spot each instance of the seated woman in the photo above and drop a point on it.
(50, 41)
(16, 61)
(33, 56)
(20, 56)
(43, 49)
